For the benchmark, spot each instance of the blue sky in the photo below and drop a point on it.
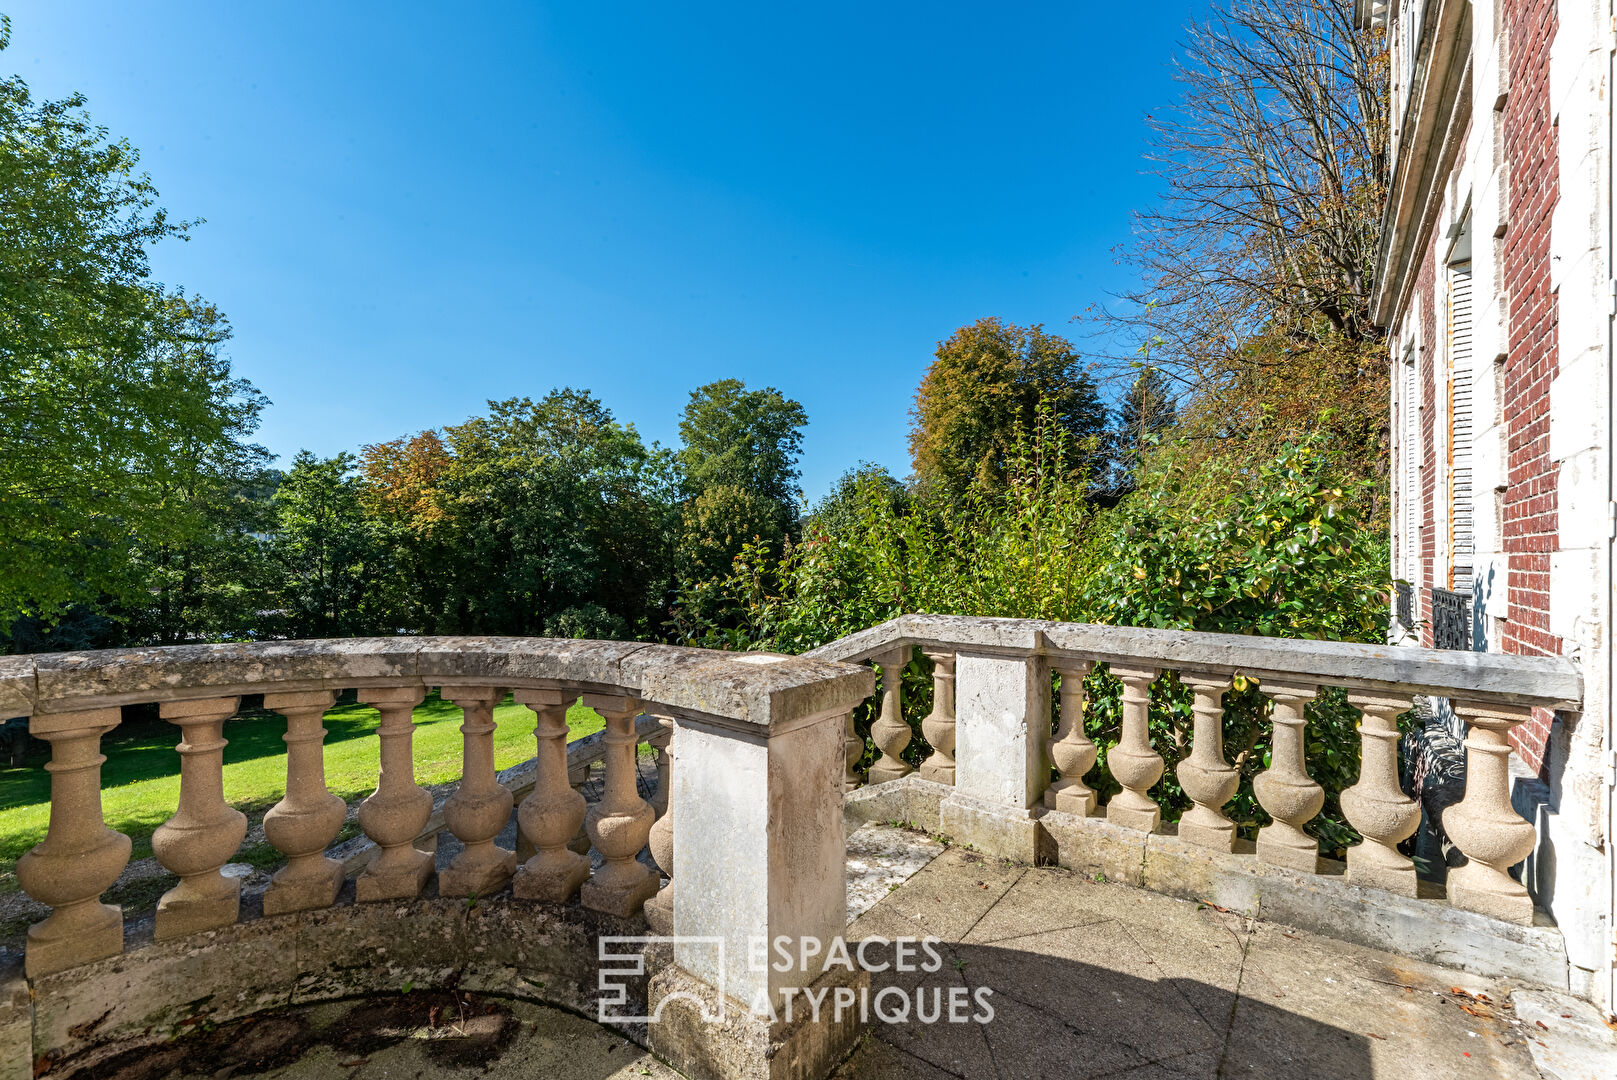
(411, 208)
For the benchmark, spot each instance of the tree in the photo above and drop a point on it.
(556, 522)
(333, 561)
(989, 381)
(1146, 411)
(113, 393)
(847, 504)
(738, 460)
(1260, 257)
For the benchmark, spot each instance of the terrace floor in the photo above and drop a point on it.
(1088, 979)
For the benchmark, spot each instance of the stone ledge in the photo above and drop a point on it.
(501, 946)
(908, 799)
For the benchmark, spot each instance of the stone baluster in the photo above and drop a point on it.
(1483, 824)
(1132, 762)
(1376, 806)
(890, 733)
(620, 823)
(205, 831)
(938, 727)
(576, 779)
(1071, 749)
(1284, 788)
(660, 908)
(551, 814)
(80, 857)
(853, 748)
(480, 807)
(658, 740)
(303, 824)
(1207, 778)
(395, 814)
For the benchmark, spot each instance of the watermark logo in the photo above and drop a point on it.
(623, 960)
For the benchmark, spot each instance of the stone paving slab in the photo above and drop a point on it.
(1097, 979)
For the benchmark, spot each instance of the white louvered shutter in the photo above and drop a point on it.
(1462, 519)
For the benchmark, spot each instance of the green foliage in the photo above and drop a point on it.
(333, 562)
(990, 380)
(114, 397)
(738, 465)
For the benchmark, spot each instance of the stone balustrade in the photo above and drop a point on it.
(999, 748)
(751, 733)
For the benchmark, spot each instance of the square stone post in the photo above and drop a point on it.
(756, 805)
(1002, 767)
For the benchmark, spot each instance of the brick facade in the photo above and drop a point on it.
(1529, 147)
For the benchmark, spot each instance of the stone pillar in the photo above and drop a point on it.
(1284, 788)
(756, 804)
(397, 812)
(1483, 824)
(660, 908)
(80, 857)
(1376, 806)
(1071, 749)
(551, 814)
(303, 824)
(619, 824)
(480, 807)
(1002, 725)
(1132, 762)
(205, 831)
(938, 727)
(1205, 776)
(890, 732)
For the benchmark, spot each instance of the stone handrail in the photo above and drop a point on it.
(991, 732)
(732, 717)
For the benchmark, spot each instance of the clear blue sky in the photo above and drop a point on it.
(412, 208)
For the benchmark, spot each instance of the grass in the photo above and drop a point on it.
(140, 781)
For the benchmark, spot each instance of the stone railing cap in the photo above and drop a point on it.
(1551, 681)
(747, 688)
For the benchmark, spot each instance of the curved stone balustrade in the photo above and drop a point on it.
(1003, 787)
(73, 699)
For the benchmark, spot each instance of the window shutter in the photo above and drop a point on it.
(1461, 501)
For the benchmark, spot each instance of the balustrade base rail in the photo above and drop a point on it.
(1423, 927)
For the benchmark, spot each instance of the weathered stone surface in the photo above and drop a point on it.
(755, 689)
(1095, 847)
(912, 800)
(16, 686)
(534, 952)
(748, 1047)
(994, 829)
(16, 1026)
(1553, 682)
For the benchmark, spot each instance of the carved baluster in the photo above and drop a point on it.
(853, 748)
(1376, 806)
(619, 824)
(890, 733)
(1207, 778)
(1483, 824)
(1071, 750)
(80, 857)
(1132, 761)
(551, 814)
(204, 831)
(658, 740)
(303, 824)
(398, 810)
(660, 908)
(1284, 788)
(480, 807)
(938, 727)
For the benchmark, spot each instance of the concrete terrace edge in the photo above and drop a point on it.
(1427, 930)
(501, 947)
(1549, 681)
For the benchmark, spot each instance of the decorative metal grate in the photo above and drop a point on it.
(1451, 619)
(1405, 597)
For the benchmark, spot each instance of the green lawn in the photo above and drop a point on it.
(140, 782)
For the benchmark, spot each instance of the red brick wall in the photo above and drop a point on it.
(1530, 148)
